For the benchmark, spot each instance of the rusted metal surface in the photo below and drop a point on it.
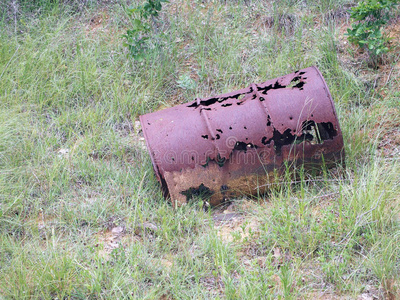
(231, 144)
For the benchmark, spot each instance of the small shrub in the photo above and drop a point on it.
(370, 16)
(143, 18)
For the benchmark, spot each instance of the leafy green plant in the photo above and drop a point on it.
(143, 22)
(370, 16)
(186, 82)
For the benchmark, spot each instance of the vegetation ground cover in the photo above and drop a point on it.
(81, 212)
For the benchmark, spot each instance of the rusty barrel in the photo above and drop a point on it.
(237, 143)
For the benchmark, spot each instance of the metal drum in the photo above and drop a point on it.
(233, 144)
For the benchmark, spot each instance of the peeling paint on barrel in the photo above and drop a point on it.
(228, 145)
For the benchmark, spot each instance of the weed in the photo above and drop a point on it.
(185, 82)
(137, 38)
(371, 16)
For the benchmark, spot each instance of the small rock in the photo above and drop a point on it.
(277, 253)
(63, 152)
(365, 296)
(117, 230)
(166, 263)
(225, 216)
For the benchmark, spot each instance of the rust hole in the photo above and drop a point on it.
(214, 100)
(299, 85)
(264, 140)
(277, 85)
(204, 102)
(296, 82)
(314, 133)
(224, 188)
(282, 139)
(326, 130)
(219, 130)
(241, 146)
(197, 193)
(205, 136)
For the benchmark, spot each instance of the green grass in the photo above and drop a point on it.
(71, 169)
